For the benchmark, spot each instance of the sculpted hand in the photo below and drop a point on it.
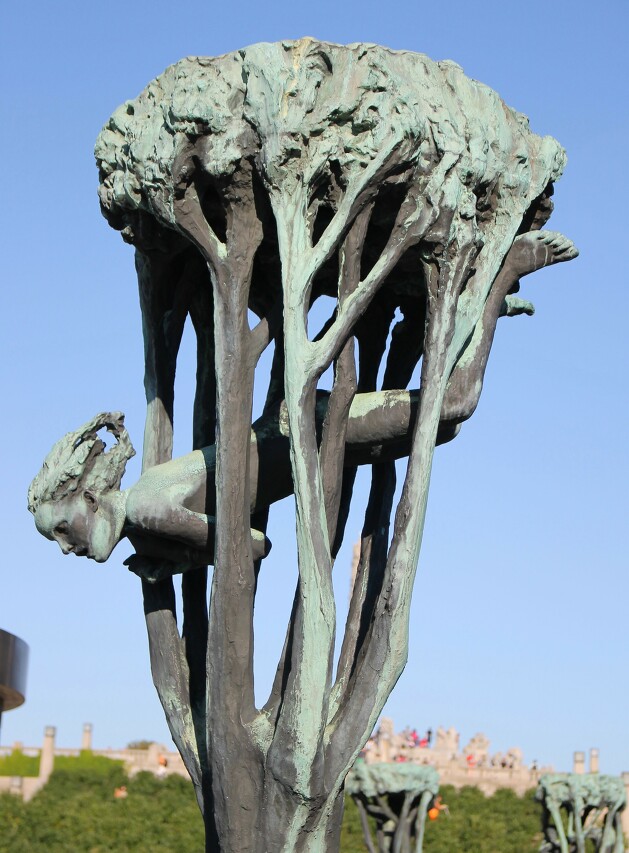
(154, 569)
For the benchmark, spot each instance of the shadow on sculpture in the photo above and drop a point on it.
(397, 797)
(581, 812)
(252, 185)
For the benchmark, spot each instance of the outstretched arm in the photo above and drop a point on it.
(157, 558)
(171, 535)
(170, 538)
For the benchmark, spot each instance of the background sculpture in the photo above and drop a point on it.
(252, 185)
(592, 807)
(397, 796)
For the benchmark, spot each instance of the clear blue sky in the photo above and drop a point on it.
(519, 625)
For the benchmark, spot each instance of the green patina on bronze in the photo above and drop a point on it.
(252, 184)
(397, 797)
(582, 812)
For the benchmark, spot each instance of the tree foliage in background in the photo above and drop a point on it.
(503, 823)
(140, 744)
(19, 764)
(77, 812)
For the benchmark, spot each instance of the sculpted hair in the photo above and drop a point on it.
(81, 460)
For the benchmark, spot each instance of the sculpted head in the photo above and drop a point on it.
(76, 498)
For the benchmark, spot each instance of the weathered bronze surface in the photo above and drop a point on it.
(252, 185)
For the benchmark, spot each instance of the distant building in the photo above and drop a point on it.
(473, 765)
(156, 758)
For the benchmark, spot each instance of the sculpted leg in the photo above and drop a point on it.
(529, 252)
(537, 249)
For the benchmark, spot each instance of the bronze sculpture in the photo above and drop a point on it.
(168, 516)
(580, 812)
(252, 185)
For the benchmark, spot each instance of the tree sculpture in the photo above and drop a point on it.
(251, 185)
(397, 797)
(582, 812)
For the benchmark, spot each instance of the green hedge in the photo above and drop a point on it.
(18, 764)
(77, 813)
(504, 823)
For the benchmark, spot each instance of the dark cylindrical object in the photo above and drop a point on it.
(13, 666)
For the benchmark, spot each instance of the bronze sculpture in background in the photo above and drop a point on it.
(398, 798)
(582, 812)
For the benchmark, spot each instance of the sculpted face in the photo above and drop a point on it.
(80, 524)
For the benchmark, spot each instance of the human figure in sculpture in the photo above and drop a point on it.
(168, 515)
(530, 252)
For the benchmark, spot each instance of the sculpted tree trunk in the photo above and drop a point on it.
(251, 185)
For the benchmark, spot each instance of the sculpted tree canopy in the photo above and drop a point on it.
(581, 812)
(396, 797)
(252, 185)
